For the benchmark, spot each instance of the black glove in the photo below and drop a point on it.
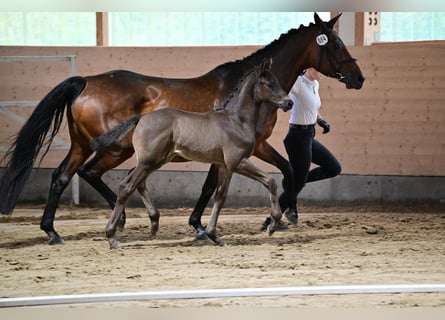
(322, 123)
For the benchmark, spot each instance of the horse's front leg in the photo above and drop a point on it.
(133, 180)
(248, 169)
(224, 177)
(208, 189)
(93, 170)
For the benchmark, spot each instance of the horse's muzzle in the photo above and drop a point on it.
(352, 82)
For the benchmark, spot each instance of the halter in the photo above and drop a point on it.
(322, 40)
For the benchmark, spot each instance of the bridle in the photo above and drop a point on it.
(333, 62)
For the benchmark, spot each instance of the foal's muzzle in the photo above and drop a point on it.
(286, 105)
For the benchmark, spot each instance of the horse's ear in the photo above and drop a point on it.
(317, 19)
(331, 23)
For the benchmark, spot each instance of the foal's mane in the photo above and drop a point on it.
(234, 93)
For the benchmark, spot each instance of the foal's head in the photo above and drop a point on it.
(268, 89)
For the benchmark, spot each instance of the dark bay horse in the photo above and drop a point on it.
(162, 135)
(94, 104)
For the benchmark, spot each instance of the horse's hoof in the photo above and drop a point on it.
(292, 216)
(266, 224)
(54, 238)
(201, 235)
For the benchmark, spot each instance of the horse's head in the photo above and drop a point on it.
(333, 57)
(268, 89)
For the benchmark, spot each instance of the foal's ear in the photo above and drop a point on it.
(267, 64)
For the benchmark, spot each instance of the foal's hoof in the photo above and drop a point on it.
(270, 230)
(221, 243)
(54, 238)
(114, 244)
(201, 234)
(153, 230)
(292, 216)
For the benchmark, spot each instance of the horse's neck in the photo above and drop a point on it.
(266, 119)
(290, 56)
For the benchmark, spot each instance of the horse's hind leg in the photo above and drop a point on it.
(93, 170)
(60, 179)
(153, 212)
(207, 191)
(224, 177)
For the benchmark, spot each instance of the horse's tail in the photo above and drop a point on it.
(116, 133)
(46, 118)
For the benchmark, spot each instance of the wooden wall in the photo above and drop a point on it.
(394, 125)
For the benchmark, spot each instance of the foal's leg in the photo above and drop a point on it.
(266, 152)
(133, 180)
(248, 169)
(224, 177)
(153, 212)
(208, 189)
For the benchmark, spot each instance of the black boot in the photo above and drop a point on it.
(292, 216)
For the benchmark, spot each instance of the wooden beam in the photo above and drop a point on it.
(101, 28)
(359, 29)
(367, 28)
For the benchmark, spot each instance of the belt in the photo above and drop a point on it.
(301, 126)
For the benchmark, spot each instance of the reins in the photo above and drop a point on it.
(333, 62)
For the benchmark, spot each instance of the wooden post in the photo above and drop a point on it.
(101, 29)
(367, 28)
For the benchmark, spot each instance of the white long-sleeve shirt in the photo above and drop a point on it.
(304, 94)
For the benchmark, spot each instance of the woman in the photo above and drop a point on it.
(301, 147)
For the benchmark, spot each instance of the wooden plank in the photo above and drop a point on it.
(101, 28)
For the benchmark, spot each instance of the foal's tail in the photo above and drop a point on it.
(118, 132)
(46, 118)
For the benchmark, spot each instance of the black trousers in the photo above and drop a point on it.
(302, 150)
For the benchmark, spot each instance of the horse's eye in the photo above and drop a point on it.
(336, 46)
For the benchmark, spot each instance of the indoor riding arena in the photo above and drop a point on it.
(371, 237)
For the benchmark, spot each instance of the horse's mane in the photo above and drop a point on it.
(258, 56)
(255, 59)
